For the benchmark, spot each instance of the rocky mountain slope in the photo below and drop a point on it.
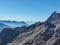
(45, 33)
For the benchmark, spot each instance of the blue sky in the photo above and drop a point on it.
(28, 10)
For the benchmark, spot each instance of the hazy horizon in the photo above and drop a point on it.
(28, 10)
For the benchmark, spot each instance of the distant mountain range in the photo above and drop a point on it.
(39, 33)
(14, 23)
(11, 24)
(2, 26)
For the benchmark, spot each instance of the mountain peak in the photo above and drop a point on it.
(54, 18)
(54, 12)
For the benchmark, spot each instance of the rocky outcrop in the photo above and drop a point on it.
(7, 35)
